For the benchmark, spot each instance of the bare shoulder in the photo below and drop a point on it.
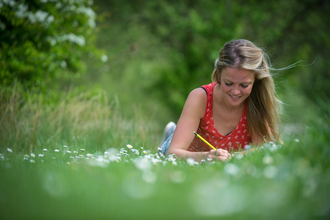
(197, 97)
(198, 93)
(196, 102)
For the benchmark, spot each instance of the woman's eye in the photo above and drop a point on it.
(245, 86)
(228, 84)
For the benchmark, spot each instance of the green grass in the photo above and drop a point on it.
(88, 172)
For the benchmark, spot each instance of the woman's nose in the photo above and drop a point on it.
(235, 91)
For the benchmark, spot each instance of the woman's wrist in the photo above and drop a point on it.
(184, 154)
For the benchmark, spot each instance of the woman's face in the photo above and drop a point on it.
(236, 85)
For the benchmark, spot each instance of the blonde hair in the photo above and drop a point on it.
(262, 112)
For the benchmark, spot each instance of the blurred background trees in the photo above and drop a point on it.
(158, 51)
(45, 40)
(167, 48)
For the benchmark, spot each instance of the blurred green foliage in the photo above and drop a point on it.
(184, 38)
(43, 40)
(158, 51)
(87, 119)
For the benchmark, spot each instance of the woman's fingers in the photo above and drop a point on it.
(223, 159)
(219, 154)
(222, 152)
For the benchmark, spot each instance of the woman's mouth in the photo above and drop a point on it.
(235, 97)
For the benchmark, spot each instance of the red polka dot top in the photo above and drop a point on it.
(234, 141)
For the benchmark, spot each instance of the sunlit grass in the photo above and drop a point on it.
(270, 182)
(81, 159)
(91, 120)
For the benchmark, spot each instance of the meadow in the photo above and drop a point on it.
(80, 158)
(86, 88)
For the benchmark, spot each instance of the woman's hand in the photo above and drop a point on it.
(219, 154)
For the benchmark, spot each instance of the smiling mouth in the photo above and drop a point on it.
(235, 97)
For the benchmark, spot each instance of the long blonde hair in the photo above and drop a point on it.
(262, 112)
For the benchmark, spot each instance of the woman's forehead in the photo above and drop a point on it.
(237, 75)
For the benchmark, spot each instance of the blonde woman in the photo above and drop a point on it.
(238, 108)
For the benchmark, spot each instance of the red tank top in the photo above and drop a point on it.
(234, 141)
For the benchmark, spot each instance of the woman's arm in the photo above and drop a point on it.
(193, 111)
(258, 139)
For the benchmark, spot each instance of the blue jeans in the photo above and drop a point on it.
(167, 138)
(164, 147)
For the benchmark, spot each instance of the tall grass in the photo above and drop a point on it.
(90, 120)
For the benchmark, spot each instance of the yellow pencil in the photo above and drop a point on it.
(200, 137)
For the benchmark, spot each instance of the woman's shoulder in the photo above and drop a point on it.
(196, 102)
(201, 94)
(198, 94)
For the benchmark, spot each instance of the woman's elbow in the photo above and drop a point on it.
(170, 151)
(257, 140)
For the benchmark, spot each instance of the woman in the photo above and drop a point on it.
(238, 108)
